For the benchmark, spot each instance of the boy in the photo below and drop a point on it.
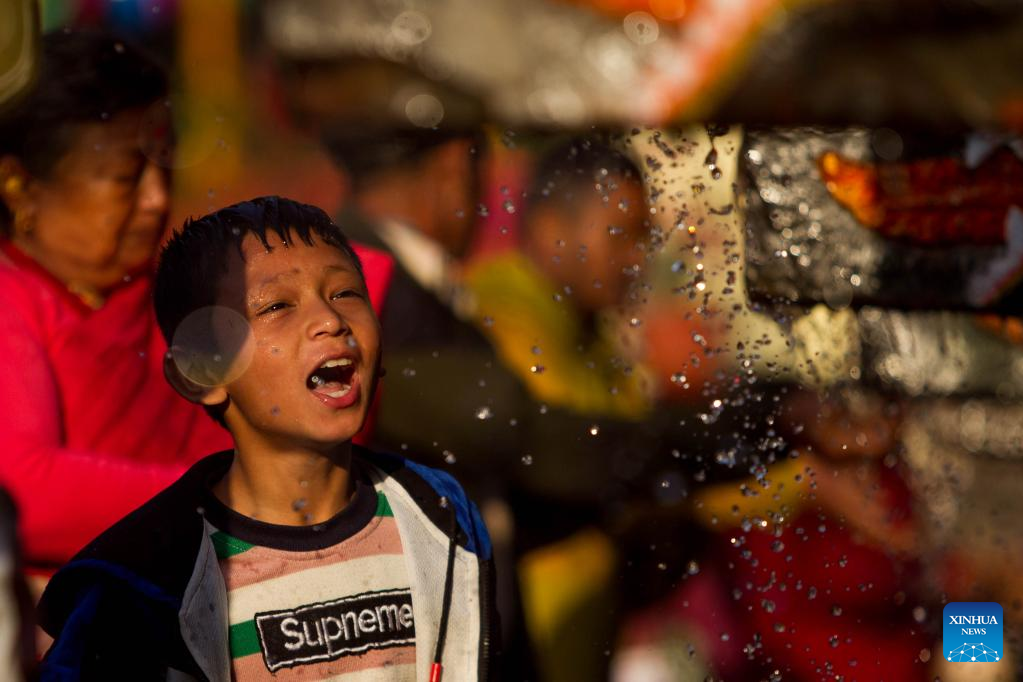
(298, 555)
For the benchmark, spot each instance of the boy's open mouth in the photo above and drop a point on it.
(333, 378)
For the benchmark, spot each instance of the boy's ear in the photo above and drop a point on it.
(190, 390)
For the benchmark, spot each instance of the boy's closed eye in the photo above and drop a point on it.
(272, 308)
(349, 293)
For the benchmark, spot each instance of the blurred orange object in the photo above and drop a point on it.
(665, 10)
(679, 351)
(928, 202)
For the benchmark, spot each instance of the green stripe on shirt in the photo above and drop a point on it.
(227, 546)
(383, 506)
(244, 639)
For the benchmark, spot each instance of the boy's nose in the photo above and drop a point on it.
(326, 321)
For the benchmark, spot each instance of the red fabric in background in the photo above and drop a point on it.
(89, 428)
(378, 266)
(826, 605)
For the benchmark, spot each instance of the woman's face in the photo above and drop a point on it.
(99, 215)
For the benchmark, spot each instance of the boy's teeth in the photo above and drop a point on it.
(342, 392)
(340, 362)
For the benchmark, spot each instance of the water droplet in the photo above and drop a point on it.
(641, 28)
(594, 430)
(919, 614)
(537, 369)
(483, 211)
(443, 502)
(483, 413)
(536, 350)
(408, 372)
(692, 568)
(527, 460)
(299, 504)
(662, 566)
(449, 457)
(424, 110)
(508, 206)
(488, 321)
(836, 610)
(635, 322)
(678, 378)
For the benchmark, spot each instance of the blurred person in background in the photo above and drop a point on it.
(91, 429)
(550, 308)
(816, 558)
(546, 306)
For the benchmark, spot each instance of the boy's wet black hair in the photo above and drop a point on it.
(85, 76)
(197, 256)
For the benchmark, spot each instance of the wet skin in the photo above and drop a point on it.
(306, 305)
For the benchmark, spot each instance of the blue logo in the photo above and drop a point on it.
(972, 632)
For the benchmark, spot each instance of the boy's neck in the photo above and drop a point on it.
(296, 487)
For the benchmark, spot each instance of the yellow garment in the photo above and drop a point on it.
(725, 505)
(566, 599)
(538, 334)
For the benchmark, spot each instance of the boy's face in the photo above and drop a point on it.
(315, 345)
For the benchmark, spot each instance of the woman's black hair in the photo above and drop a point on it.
(84, 76)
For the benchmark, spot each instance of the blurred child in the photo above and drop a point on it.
(545, 307)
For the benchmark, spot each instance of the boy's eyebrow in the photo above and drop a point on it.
(273, 278)
(341, 268)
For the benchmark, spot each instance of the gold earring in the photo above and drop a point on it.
(13, 184)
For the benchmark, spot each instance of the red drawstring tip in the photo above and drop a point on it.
(435, 672)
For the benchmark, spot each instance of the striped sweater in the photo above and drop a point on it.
(330, 604)
(166, 613)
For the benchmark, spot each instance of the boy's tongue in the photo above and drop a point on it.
(328, 388)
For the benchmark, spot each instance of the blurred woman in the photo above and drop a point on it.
(90, 429)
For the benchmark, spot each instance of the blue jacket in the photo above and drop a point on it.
(146, 599)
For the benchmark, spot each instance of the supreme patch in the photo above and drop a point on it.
(329, 630)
